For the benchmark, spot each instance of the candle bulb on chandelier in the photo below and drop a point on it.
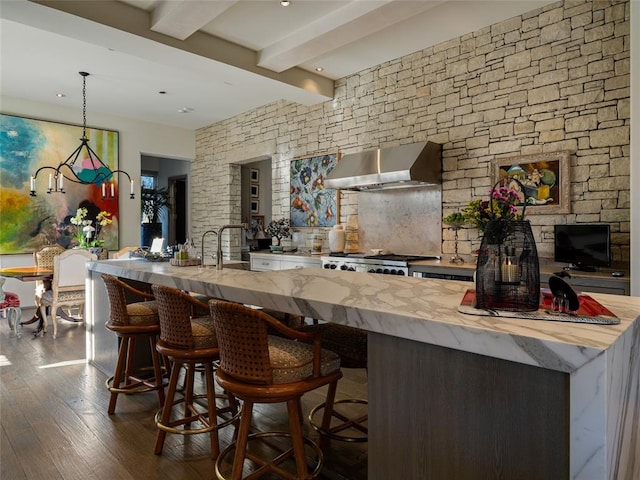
(50, 182)
(104, 190)
(131, 187)
(113, 190)
(33, 184)
(61, 183)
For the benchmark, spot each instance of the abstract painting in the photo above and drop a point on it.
(313, 205)
(27, 223)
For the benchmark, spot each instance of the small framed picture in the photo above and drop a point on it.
(255, 175)
(255, 206)
(255, 190)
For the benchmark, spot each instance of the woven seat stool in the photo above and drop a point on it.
(132, 322)
(261, 368)
(350, 344)
(190, 343)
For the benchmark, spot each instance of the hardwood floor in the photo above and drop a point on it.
(53, 409)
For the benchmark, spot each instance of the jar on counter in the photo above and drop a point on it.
(336, 239)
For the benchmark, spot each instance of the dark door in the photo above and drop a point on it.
(178, 213)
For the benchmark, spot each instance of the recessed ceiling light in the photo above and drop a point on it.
(60, 95)
(185, 110)
(319, 69)
(285, 3)
(162, 92)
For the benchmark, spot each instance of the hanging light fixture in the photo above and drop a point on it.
(97, 174)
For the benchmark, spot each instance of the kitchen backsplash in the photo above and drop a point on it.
(404, 221)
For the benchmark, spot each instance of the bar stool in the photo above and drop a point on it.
(261, 368)
(10, 306)
(131, 322)
(350, 344)
(189, 342)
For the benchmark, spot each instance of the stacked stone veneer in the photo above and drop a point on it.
(556, 78)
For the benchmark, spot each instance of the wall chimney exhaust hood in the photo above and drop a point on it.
(412, 165)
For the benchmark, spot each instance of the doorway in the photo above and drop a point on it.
(178, 210)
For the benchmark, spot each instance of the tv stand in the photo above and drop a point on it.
(581, 267)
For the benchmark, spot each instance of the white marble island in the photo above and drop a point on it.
(451, 395)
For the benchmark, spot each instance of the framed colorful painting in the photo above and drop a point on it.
(312, 205)
(545, 177)
(27, 223)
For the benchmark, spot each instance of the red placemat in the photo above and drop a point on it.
(590, 311)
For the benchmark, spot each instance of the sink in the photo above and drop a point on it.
(231, 264)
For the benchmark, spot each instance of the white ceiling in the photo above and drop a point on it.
(216, 58)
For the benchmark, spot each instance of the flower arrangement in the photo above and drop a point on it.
(83, 232)
(278, 229)
(502, 205)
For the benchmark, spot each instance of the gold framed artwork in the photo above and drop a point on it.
(545, 177)
(311, 204)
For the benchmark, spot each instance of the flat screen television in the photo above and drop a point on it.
(583, 246)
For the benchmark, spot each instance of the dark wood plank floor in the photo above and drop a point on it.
(54, 423)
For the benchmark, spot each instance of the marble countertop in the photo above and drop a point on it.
(423, 310)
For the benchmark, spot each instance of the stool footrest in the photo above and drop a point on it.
(346, 423)
(263, 467)
(179, 426)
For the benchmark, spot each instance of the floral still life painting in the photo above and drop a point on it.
(313, 205)
(27, 223)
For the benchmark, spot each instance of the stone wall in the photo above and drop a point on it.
(556, 78)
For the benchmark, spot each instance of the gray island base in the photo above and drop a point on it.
(450, 395)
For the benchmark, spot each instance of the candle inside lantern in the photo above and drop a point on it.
(509, 268)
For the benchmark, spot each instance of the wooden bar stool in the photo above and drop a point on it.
(132, 322)
(189, 342)
(261, 368)
(350, 344)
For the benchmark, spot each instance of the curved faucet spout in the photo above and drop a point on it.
(219, 262)
(202, 244)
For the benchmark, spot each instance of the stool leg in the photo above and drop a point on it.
(166, 409)
(327, 414)
(188, 394)
(213, 412)
(243, 438)
(157, 369)
(131, 348)
(295, 426)
(117, 376)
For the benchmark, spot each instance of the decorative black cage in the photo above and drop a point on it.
(508, 270)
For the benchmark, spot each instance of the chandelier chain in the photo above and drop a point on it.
(84, 106)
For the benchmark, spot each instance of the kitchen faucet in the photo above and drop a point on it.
(219, 263)
(202, 245)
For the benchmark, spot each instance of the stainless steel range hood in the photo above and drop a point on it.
(404, 166)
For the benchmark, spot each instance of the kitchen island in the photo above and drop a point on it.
(450, 395)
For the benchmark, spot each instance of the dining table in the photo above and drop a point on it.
(33, 273)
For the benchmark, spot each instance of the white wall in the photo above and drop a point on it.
(136, 138)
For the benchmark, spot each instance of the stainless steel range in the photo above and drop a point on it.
(389, 264)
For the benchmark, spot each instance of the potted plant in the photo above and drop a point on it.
(154, 201)
(278, 229)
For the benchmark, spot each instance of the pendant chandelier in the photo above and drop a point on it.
(92, 170)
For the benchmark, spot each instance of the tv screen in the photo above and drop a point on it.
(583, 245)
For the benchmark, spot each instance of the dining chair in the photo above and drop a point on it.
(67, 286)
(43, 258)
(10, 307)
